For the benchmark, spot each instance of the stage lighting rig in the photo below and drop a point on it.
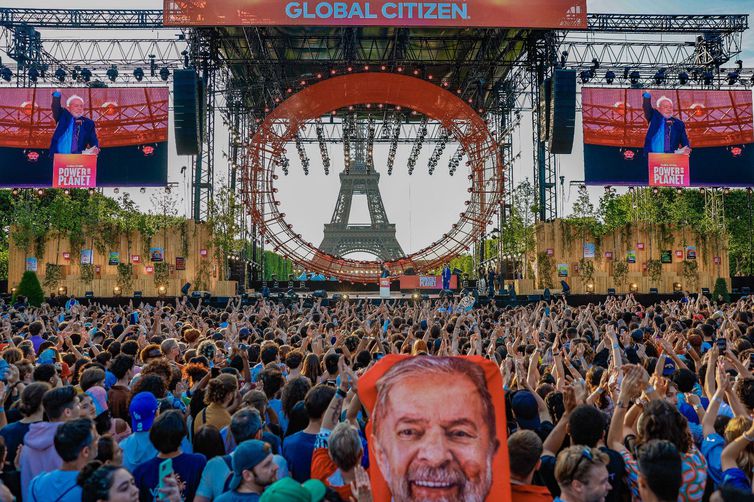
(6, 73)
(348, 130)
(86, 74)
(164, 73)
(322, 146)
(60, 74)
(437, 152)
(733, 77)
(683, 78)
(455, 160)
(370, 142)
(610, 77)
(660, 76)
(138, 74)
(393, 143)
(112, 73)
(33, 74)
(302, 154)
(417, 148)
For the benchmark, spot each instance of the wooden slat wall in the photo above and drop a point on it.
(105, 281)
(570, 251)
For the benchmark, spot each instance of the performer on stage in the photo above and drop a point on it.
(666, 133)
(385, 271)
(74, 133)
(446, 277)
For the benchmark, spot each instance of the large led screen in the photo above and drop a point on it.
(83, 137)
(668, 137)
(557, 14)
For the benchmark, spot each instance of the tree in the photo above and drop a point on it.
(30, 288)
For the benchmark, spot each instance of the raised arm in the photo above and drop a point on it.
(56, 106)
(646, 104)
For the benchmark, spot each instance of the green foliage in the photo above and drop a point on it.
(201, 281)
(4, 264)
(53, 275)
(586, 270)
(545, 267)
(30, 288)
(126, 277)
(277, 265)
(518, 229)
(161, 274)
(720, 293)
(87, 273)
(654, 270)
(225, 225)
(690, 273)
(620, 272)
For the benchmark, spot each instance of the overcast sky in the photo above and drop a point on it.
(422, 207)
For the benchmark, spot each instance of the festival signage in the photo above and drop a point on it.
(679, 254)
(550, 252)
(691, 252)
(631, 256)
(74, 171)
(589, 249)
(608, 255)
(149, 269)
(384, 287)
(562, 270)
(156, 255)
(66, 255)
(640, 246)
(203, 253)
(666, 256)
(425, 282)
(31, 264)
(669, 170)
(553, 14)
(180, 263)
(113, 258)
(135, 258)
(87, 256)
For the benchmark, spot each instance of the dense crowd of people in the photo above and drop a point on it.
(181, 401)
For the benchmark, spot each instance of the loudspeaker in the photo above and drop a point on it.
(187, 112)
(562, 111)
(654, 291)
(89, 294)
(185, 289)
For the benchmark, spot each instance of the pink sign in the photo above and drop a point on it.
(679, 253)
(135, 258)
(550, 251)
(74, 171)
(640, 245)
(66, 255)
(149, 269)
(717, 260)
(203, 252)
(609, 255)
(668, 170)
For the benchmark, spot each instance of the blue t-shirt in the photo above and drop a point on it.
(277, 406)
(297, 451)
(237, 497)
(187, 467)
(658, 140)
(54, 485)
(712, 448)
(13, 434)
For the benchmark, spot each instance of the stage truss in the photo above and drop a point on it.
(400, 93)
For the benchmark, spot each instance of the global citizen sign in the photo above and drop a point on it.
(560, 14)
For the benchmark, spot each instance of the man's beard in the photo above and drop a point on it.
(452, 475)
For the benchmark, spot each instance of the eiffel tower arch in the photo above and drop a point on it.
(360, 178)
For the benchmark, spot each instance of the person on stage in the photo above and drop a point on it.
(666, 133)
(446, 277)
(74, 133)
(385, 271)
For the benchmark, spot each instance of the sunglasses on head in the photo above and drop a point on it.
(586, 453)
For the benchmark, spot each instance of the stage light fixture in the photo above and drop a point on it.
(143, 190)
(6, 73)
(683, 78)
(418, 143)
(67, 191)
(626, 70)
(633, 287)
(139, 74)
(610, 76)
(86, 74)
(33, 74)
(112, 73)
(634, 77)
(91, 191)
(63, 291)
(677, 287)
(162, 291)
(14, 192)
(116, 190)
(455, 160)
(563, 58)
(117, 291)
(60, 74)
(708, 77)
(660, 76)
(396, 132)
(40, 191)
(732, 77)
(437, 152)
(302, 154)
(590, 288)
(164, 73)
(152, 65)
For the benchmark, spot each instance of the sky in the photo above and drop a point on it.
(422, 207)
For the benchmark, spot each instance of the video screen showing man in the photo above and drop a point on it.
(74, 133)
(434, 433)
(666, 133)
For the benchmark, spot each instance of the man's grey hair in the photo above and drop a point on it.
(70, 100)
(344, 446)
(416, 367)
(664, 98)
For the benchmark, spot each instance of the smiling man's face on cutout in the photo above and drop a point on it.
(433, 443)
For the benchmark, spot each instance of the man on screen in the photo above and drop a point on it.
(434, 433)
(74, 133)
(666, 134)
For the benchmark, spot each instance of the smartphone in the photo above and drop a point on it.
(166, 469)
(721, 344)
(134, 318)
(380, 355)
(547, 311)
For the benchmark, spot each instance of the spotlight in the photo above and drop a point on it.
(736, 151)
(585, 76)
(40, 191)
(14, 192)
(677, 287)
(683, 78)
(143, 190)
(112, 73)
(6, 73)
(138, 74)
(732, 77)
(610, 76)
(13, 291)
(659, 76)
(86, 74)
(708, 77)
(162, 290)
(67, 191)
(60, 74)
(415, 296)
(117, 291)
(164, 73)
(91, 191)
(634, 77)
(63, 291)
(633, 287)
(590, 288)
(33, 74)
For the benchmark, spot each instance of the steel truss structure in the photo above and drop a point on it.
(250, 71)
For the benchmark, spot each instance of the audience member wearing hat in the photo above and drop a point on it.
(254, 469)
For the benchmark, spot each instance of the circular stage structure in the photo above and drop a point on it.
(372, 90)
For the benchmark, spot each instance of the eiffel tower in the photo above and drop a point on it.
(359, 178)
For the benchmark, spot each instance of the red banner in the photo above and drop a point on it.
(74, 171)
(426, 282)
(558, 14)
(668, 170)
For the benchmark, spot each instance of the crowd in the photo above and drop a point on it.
(181, 401)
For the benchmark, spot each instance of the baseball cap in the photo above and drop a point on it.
(143, 408)
(637, 335)
(290, 490)
(525, 410)
(246, 456)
